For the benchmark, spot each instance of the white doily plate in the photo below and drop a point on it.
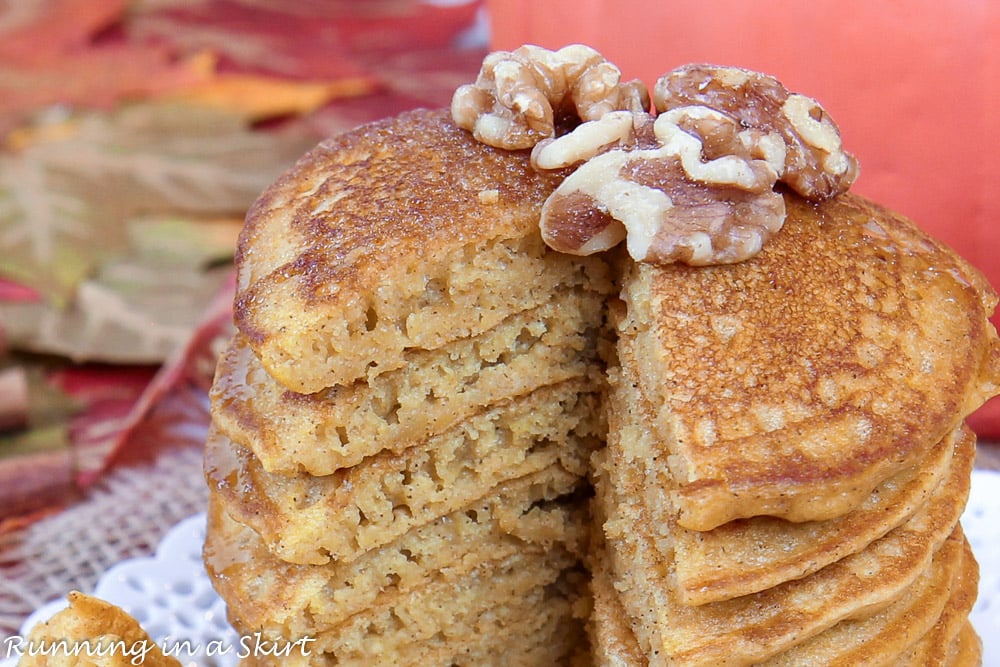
(170, 595)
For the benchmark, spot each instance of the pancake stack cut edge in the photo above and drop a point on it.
(408, 422)
(429, 504)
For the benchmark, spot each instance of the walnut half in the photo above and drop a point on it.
(519, 95)
(703, 192)
(695, 184)
(816, 164)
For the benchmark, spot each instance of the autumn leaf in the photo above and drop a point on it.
(64, 202)
(44, 30)
(139, 307)
(260, 97)
(282, 39)
(53, 52)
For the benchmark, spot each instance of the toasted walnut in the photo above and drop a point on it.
(519, 95)
(702, 194)
(816, 164)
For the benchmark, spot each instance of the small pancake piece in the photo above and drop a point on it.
(796, 382)
(405, 233)
(91, 632)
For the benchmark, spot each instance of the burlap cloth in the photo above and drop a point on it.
(124, 515)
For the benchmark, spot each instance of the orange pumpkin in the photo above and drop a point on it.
(914, 87)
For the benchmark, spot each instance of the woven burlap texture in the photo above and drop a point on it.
(124, 515)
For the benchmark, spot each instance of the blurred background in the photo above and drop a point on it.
(135, 133)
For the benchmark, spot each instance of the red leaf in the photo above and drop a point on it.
(109, 427)
(43, 30)
(17, 293)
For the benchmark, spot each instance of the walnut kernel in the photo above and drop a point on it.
(703, 195)
(816, 164)
(519, 95)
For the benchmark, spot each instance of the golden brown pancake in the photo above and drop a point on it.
(338, 427)
(882, 638)
(966, 650)
(609, 630)
(935, 646)
(97, 634)
(890, 637)
(402, 234)
(531, 514)
(748, 555)
(540, 631)
(305, 519)
(525, 583)
(796, 382)
(754, 627)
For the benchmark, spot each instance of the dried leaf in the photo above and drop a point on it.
(261, 97)
(63, 202)
(140, 307)
(43, 30)
(58, 52)
(276, 38)
(36, 473)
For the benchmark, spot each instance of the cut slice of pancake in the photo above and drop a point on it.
(881, 639)
(610, 632)
(404, 233)
(754, 627)
(796, 382)
(540, 630)
(338, 427)
(311, 520)
(749, 555)
(534, 513)
(445, 609)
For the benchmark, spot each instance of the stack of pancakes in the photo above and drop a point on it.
(787, 461)
(403, 423)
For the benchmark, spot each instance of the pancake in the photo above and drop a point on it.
(754, 627)
(402, 234)
(390, 632)
(611, 637)
(935, 646)
(336, 428)
(966, 650)
(311, 520)
(97, 634)
(749, 555)
(539, 631)
(882, 638)
(796, 382)
(535, 513)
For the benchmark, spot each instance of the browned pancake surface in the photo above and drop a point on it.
(404, 233)
(793, 383)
